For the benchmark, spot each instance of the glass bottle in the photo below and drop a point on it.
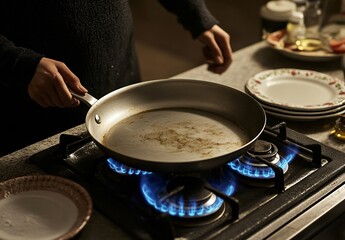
(339, 128)
(295, 28)
(312, 18)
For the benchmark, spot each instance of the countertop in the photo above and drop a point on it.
(259, 57)
(247, 62)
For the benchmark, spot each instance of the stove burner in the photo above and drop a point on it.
(250, 166)
(185, 196)
(123, 169)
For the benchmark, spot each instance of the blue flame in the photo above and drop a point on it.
(261, 172)
(123, 169)
(154, 188)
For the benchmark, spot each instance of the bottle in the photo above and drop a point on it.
(312, 18)
(339, 128)
(295, 28)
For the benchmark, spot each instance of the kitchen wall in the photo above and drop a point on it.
(165, 48)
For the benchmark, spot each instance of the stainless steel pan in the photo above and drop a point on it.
(174, 125)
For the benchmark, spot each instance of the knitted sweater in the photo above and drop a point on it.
(94, 38)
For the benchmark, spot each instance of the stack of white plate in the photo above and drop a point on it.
(299, 95)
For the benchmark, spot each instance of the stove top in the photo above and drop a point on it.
(281, 170)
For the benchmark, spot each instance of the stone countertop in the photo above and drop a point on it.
(247, 62)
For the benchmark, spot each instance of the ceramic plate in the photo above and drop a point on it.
(304, 117)
(42, 207)
(276, 41)
(296, 89)
(304, 113)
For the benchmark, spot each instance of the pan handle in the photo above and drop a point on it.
(86, 98)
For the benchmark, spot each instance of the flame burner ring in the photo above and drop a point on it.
(184, 198)
(123, 169)
(250, 166)
(190, 191)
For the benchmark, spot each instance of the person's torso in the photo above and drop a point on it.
(93, 37)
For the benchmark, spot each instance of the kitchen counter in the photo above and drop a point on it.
(259, 57)
(247, 62)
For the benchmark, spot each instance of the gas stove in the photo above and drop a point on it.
(283, 169)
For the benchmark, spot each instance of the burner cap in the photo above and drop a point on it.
(260, 147)
(263, 149)
(189, 189)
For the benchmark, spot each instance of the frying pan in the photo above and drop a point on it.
(174, 125)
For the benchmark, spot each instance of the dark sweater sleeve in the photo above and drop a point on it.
(192, 14)
(17, 65)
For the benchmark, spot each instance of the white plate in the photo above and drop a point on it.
(275, 41)
(42, 207)
(303, 117)
(304, 113)
(296, 89)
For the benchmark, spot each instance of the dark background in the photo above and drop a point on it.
(166, 49)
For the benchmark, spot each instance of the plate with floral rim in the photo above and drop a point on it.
(302, 113)
(304, 117)
(297, 89)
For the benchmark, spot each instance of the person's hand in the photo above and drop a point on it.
(217, 49)
(51, 82)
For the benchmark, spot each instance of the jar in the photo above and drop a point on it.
(275, 15)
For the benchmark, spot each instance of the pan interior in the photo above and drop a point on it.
(174, 135)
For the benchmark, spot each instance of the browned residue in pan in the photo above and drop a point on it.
(175, 134)
(184, 136)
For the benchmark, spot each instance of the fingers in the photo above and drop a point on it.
(61, 96)
(66, 79)
(217, 50)
(71, 79)
(212, 65)
(48, 86)
(224, 44)
(212, 52)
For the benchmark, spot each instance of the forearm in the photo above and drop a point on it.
(17, 65)
(192, 14)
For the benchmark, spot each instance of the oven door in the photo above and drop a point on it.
(334, 230)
